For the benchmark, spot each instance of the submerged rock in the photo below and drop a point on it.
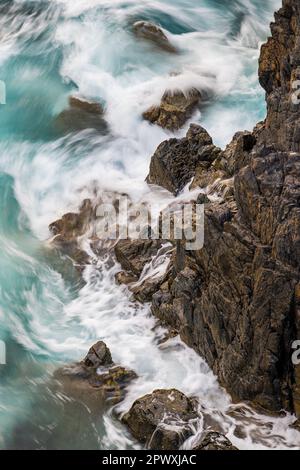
(96, 374)
(215, 441)
(152, 33)
(175, 109)
(69, 228)
(162, 420)
(80, 115)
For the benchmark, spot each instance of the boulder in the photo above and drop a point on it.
(98, 355)
(81, 114)
(175, 161)
(162, 420)
(175, 109)
(215, 441)
(154, 34)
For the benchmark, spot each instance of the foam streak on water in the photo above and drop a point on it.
(49, 50)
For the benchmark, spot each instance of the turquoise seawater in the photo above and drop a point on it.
(50, 50)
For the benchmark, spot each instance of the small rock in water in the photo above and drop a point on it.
(215, 441)
(154, 34)
(162, 420)
(80, 115)
(174, 110)
(96, 375)
(98, 355)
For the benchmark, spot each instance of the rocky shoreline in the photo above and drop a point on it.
(236, 301)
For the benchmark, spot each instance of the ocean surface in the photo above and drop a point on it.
(50, 50)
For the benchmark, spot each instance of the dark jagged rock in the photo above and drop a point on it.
(80, 115)
(69, 228)
(96, 374)
(215, 441)
(174, 110)
(133, 255)
(235, 301)
(162, 420)
(155, 35)
(174, 163)
(98, 355)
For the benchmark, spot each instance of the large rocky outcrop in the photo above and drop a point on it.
(243, 314)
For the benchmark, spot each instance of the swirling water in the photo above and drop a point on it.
(48, 51)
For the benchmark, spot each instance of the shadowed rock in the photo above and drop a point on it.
(133, 255)
(175, 161)
(98, 355)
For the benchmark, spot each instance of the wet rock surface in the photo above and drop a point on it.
(162, 420)
(175, 109)
(96, 376)
(215, 441)
(154, 34)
